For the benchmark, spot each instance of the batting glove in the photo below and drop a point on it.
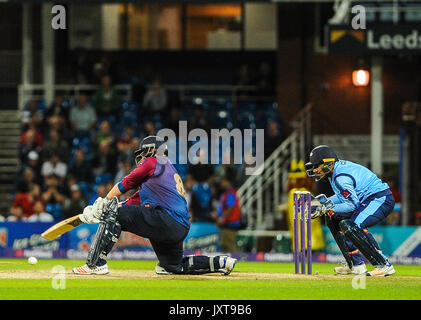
(98, 207)
(88, 216)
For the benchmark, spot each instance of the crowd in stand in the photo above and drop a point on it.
(77, 148)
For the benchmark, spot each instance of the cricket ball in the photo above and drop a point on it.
(32, 260)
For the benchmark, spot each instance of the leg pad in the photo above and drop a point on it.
(360, 240)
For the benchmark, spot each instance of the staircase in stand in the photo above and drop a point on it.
(10, 130)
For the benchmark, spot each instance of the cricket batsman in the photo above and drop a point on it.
(361, 200)
(157, 211)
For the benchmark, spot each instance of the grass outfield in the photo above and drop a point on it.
(249, 281)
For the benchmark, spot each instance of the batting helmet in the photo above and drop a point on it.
(149, 147)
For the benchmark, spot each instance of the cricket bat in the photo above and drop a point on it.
(62, 227)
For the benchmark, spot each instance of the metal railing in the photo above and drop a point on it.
(68, 91)
(261, 195)
(185, 92)
(213, 92)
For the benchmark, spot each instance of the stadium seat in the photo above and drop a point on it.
(86, 189)
(203, 194)
(246, 120)
(103, 178)
(55, 210)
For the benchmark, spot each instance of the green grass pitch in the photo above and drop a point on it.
(136, 280)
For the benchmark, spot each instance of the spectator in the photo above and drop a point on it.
(30, 110)
(55, 122)
(125, 168)
(229, 215)
(70, 181)
(26, 179)
(134, 145)
(104, 135)
(34, 163)
(201, 202)
(16, 214)
(39, 214)
(81, 168)
(173, 120)
(104, 67)
(124, 142)
(106, 100)
(56, 145)
(245, 76)
(188, 186)
(32, 129)
(148, 129)
(23, 204)
(27, 145)
(59, 108)
(29, 173)
(53, 195)
(226, 165)
(202, 171)
(105, 160)
(54, 166)
(82, 117)
(199, 120)
(75, 204)
(100, 191)
(155, 100)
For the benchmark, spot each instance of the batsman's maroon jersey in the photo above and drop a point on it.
(159, 185)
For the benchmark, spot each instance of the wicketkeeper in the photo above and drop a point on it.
(157, 211)
(361, 200)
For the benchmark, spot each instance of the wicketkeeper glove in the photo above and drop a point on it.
(318, 211)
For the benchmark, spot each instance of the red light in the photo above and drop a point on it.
(360, 78)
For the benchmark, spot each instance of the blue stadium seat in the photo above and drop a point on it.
(85, 188)
(76, 142)
(203, 193)
(103, 178)
(55, 210)
(250, 107)
(246, 120)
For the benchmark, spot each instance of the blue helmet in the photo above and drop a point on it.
(320, 155)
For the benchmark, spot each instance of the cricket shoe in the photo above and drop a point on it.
(345, 269)
(161, 270)
(227, 264)
(86, 270)
(384, 271)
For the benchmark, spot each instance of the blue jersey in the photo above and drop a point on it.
(160, 185)
(352, 184)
